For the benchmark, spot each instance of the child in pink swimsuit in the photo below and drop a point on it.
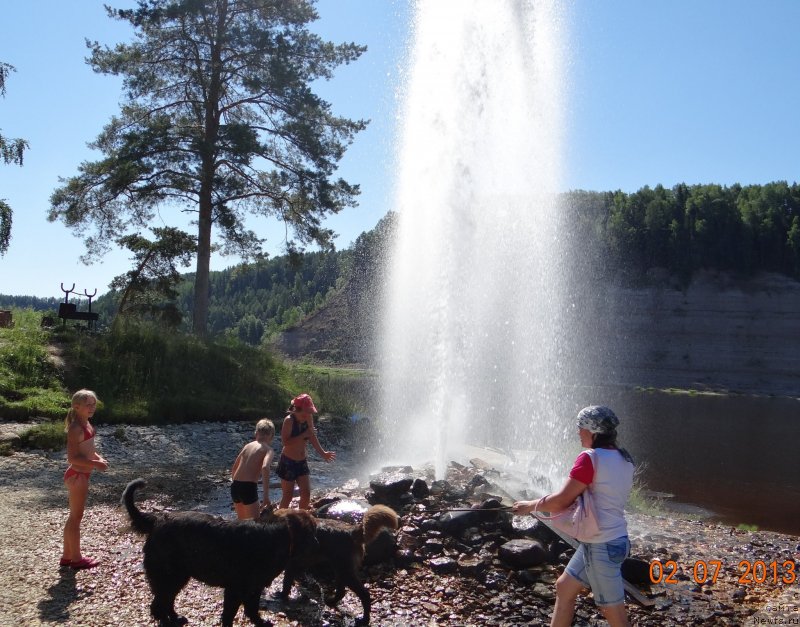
(82, 458)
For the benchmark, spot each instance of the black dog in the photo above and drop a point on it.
(341, 548)
(243, 557)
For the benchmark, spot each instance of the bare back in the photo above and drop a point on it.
(253, 457)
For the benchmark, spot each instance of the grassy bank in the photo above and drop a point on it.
(148, 375)
(30, 382)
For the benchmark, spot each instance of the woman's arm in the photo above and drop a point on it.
(553, 503)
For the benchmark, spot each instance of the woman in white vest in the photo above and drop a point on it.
(596, 564)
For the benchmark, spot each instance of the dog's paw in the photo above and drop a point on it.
(360, 622)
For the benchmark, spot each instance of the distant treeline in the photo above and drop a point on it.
(742, 230)
(268, 295)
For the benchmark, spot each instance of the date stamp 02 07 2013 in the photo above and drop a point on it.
(708, 571)
(750, 572)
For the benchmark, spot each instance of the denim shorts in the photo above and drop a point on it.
(597, 566)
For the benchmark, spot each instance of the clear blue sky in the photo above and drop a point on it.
(695, 91)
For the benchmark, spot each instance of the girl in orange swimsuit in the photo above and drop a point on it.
(82, 458)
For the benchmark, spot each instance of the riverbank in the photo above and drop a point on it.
(187, 467)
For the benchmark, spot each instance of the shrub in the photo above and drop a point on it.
(147, 374)
(49, 436)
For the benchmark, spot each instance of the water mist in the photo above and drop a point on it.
(474, 346)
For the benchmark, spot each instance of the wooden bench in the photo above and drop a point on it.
(68, 311)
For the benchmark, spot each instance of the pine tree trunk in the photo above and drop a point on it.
(208, 169)
(201, 283)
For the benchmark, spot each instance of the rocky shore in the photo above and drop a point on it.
(493, 570)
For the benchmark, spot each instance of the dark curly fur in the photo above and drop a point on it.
(341, 549)
(243, 557)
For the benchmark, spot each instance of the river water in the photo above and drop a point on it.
(734, 455)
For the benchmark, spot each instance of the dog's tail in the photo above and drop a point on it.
(377, 518)
(140, 521)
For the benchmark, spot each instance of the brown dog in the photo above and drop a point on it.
(243, 557)
(341, 549)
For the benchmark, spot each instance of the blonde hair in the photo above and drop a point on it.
(79, 398)
(265, 427)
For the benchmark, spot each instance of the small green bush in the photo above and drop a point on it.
(49, 436)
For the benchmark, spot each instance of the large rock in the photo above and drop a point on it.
(522, 553)
(389, 487)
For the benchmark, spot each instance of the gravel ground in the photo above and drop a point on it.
(186, 467)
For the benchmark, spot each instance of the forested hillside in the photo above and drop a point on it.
(743, 230)
(736, 229)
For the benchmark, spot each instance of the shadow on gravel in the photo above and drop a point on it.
(179, 486)
(55, 608)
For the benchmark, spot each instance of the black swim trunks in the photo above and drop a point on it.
(245, 492)
(291, 469)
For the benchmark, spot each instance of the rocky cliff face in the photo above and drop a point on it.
(717, 334)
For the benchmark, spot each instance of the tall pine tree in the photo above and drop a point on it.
(218, 118)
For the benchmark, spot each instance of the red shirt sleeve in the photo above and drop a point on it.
(583, 470)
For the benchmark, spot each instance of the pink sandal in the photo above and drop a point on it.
(84, 563)
(64, 561)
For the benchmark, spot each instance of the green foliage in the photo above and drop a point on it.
(11, 151)
(276, 293)
(49, 436)
(29, 382)
(219, 118)
(738, 229)
(337, 391)
(746, 527)
(148, 291)
(144, 373)
(5, 225)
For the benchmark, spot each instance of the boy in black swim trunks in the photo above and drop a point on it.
(297, 429)
(254, 459)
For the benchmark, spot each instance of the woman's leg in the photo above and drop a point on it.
(616, 615)
(567, 590)
(304, 483)
(287, 491)
(603, 569)
(78, 488)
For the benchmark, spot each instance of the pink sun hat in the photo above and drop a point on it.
(304, 402)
